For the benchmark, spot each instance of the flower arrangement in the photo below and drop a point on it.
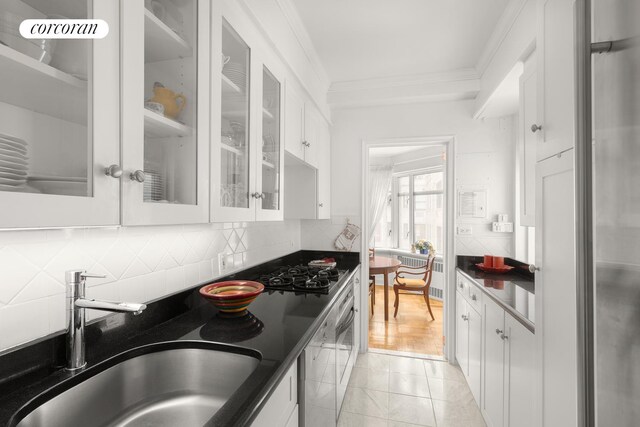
(425, 247)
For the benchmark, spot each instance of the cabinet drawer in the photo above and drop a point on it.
(474, 297)
(470, 292)
(282, 402)
(462, 285)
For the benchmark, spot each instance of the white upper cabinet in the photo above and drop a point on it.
(247, 156)
(312, 140)
(294, 123)
(270, 149)
(59, 120)
(527, 141)
(165, 112)
(324, 173)
(555, 58)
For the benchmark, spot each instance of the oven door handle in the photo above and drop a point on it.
(347, 323)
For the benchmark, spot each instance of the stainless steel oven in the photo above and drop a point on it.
(316, 376)
(346, 347)
(325, 365)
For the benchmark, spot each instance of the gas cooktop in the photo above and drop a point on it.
(301, 278)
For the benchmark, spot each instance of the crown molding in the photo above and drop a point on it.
(302, 35)
(500, 33)
(416, 88)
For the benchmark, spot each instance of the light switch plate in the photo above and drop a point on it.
(465, 230)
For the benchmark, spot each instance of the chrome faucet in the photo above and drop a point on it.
(76, 305)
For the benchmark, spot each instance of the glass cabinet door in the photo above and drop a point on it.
(59, 123)
(170, 102)
(271, 151)
(235, 139)
(164, 142)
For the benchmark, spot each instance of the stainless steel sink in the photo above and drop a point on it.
(167, 387)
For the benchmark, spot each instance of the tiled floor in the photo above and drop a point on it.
(393, 391)
(412, 331)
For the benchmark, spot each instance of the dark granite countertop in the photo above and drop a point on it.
(513, 291)
(279, 327)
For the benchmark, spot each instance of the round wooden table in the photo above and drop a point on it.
(384, 265)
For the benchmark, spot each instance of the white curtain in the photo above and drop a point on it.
(379, 183)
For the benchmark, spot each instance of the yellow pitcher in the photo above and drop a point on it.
(173, 103)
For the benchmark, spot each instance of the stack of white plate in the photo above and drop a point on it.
(153, 186)
(14, 163)
(237, 73)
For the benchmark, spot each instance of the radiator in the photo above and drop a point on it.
(417, 262)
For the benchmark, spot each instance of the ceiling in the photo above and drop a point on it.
(366, 39)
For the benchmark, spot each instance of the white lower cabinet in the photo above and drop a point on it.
(281, 410)
(520, 376)
(469, 343)
(493, 365)
(508, 370)
(462, 333)
(475, 352)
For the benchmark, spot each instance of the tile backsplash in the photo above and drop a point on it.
(141, 264)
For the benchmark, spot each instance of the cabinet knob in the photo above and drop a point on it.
(321, 204)
(137, 176)
(535, 128)
(533, 268)
(465, 317)
(256, 195)
(474, 298)
(306, 144)
(504, 337)
(113, 171)
(499, 331)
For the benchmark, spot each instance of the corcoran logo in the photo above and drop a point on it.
(64, 29)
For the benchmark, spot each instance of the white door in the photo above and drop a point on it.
(493, 364)
(236, 88)
(555, 57)
(60, 123)
(520, 375)
(462, 333)
(527, 143)
(270, 148)
(165, 113)
(475, 352)
(294, 122)
(556, 291)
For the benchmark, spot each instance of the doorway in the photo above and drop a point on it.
(407, 202)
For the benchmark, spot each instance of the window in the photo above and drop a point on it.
(415, 210)
(383, 236)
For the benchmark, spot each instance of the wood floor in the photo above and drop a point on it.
(412, 331)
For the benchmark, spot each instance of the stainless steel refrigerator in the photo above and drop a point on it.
(615, 206)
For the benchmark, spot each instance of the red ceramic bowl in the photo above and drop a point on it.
(233, 296)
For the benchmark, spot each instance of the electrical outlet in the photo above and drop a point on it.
(465, 230)
(222, 262)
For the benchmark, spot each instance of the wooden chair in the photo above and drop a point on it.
(372, 291)
(372, 282)
(401, 283)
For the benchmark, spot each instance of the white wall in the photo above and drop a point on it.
(484, 156)
(141, 264)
